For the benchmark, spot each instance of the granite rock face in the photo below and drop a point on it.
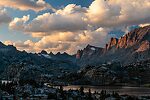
(132, 47)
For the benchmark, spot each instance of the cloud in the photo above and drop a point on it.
(146, 24)
(8, 42)
(4, 17)
(20, 45)
(101, 13)
(70, 42)
(35, 5)
(68, 19)
(65, 41)
(72, 27)
(71, 19)
(118, 13)
(19, 23)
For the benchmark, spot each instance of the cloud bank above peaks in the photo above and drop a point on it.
(76, 26)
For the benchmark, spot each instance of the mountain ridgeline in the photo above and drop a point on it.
(128, 50)
(132, 47)
(16, 65)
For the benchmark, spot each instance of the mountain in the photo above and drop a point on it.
(88, 51)
(132, 47)
(60, 57)
(20, 64)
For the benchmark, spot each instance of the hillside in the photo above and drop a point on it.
(22, 65)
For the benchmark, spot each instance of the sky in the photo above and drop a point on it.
(68, 25)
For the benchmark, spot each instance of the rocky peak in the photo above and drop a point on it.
(58, 53)
(122, 42)
(79, 54)
(145, 45)
(11, 47)
(43, 52)
(51, 53)
(2, 45)
(129, 48)
(91, 48)
(88, 51)
(88, 46)
(134, 37)
(113, 42)
(6, 48)
(65, 54)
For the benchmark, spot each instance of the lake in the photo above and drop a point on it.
(136, 91)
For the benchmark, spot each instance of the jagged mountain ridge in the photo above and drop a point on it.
(59, 56)
(130, 48)
(11, 59)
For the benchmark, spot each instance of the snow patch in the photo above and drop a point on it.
(46, 56)
(39, 55)
(93, 48)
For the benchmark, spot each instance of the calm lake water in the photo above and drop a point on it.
(137, 91)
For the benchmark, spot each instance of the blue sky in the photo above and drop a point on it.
(59, 3)
(68, 25)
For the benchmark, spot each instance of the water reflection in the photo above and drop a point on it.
(137, 91)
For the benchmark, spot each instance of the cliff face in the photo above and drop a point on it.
(79, 54)
(132, 47)
(113, 43)
(134, 37)
(87, 53)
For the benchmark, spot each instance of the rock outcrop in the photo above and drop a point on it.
(133, 46)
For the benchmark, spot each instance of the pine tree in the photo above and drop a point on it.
(90, 95)
(61, 91)
(81, 90)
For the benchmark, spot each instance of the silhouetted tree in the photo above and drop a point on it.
(90, 95)
(102, 95)
(81, 90)
(61, 91)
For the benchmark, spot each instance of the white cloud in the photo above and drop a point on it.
(65, 41)
(118, 13)
(68, 19)
(19, 23)
(8, 42)
(101, 13)
(146, 24)
(36, 5)
(73, 27)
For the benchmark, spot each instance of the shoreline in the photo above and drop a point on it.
(122, 90)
